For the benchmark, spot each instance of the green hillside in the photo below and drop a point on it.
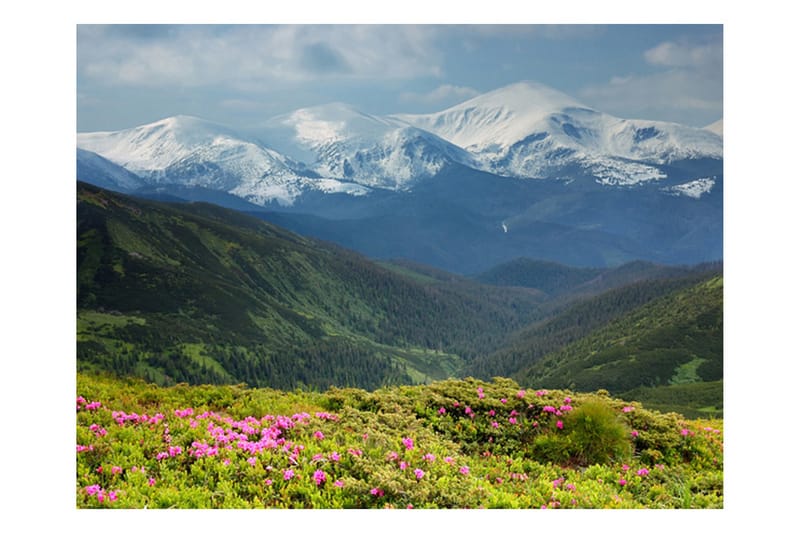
(574, 320)
(675, 340)
(202, 294)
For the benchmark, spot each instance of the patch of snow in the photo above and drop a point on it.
(693, 189)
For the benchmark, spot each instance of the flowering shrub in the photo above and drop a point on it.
(434, 446)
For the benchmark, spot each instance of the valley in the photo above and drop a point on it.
(196, 293)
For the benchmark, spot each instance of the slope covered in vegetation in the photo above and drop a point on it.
(674, 340)
(202, 294)
(449, 444)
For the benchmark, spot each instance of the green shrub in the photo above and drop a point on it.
(597, 435)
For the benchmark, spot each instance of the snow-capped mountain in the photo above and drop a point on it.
(99, 171)
(339, 141)
(524, 130)
(193, 152)
(528, 130)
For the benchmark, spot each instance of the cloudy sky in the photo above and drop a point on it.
(242, 74)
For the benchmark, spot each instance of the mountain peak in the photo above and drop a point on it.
(523, 97)
(498, 118)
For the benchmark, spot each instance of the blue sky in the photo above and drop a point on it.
(243, 74)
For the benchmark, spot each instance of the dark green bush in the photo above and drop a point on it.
(597, 434)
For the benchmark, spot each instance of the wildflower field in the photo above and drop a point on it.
(456, 444)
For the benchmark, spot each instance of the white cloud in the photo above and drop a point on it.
(687, 89)
(449, 94)
(251, 56)
(672, 54)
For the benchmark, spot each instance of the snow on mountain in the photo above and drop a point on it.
(693, 189)
(715, 127)
(533, 131)
(99, 171)
(194, 152)
(496, 119)
(338, 141)
(524, 130)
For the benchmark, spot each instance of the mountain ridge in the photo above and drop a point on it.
(508, 131)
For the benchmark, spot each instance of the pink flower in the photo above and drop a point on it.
(419, 473)
(622, 482)
(684, 432)
(567, 400)
(491, 412)
(521, 394)
(151, 481)
(252, 461)
(377, 492)
(634, 433)
(319, 477)
(495, 424)
(409, 506)
(116, 470)
(355, 452)
(560, 424)
(268, 482)
(642, 472)
(464, 470)
(403, 465)
(503, 400)
(512, 420)
(408, 443)
(338, 483)
(627, 409)
(541, 392)
(429, 457)
(334, 457)
(625, 468)
(288, 474)
(91, 490)
(557, 482)
(442, 410)
(319, 435)
(392, 456)
(449, 460)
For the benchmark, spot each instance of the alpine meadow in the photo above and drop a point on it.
(351, 269)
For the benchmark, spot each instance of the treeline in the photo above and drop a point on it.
(199, 274)
(678, 337)
(576, 321)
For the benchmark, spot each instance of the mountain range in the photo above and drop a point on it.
(520, 171)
